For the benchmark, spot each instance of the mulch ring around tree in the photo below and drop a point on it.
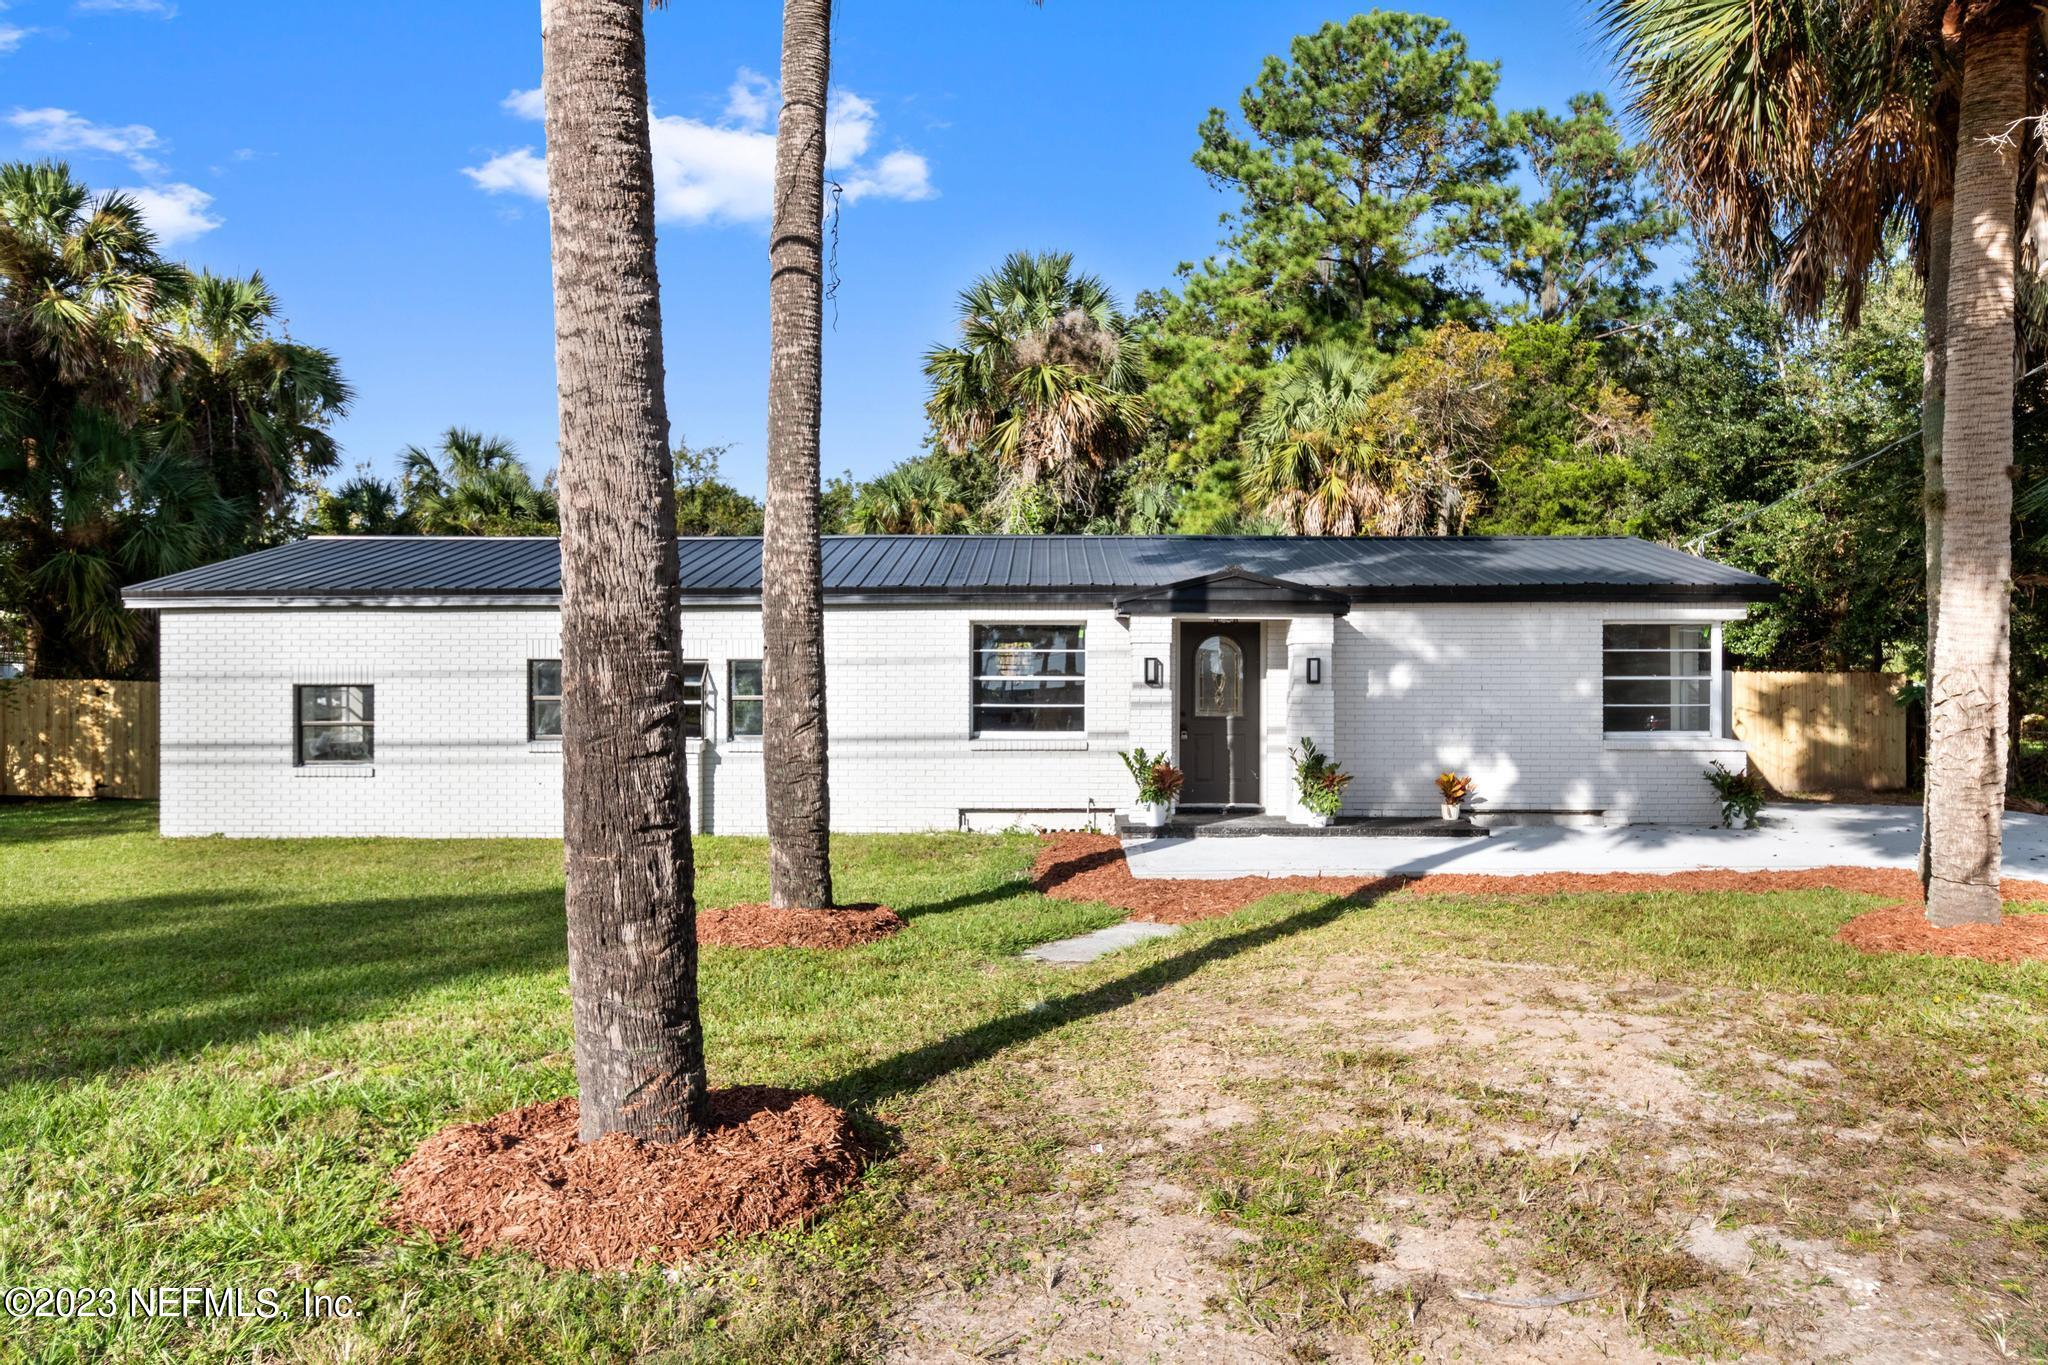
(763, 926)
(523, 1182)
(1091, 867)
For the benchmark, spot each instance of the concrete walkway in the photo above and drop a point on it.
(1072, 952)
(1793, 837)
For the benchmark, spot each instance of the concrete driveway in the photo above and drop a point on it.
(1792, 837)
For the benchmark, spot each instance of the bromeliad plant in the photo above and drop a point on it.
(1159, 782)
(1742, 795)
(1320, 781)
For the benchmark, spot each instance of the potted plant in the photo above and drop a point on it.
(1454, 788)
(1319, 782)
(1159, 784)
(1742, 795)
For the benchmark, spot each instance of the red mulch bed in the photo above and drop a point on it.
(763, 926)
(1091, 867)
(522, 1181)
(1904, 929)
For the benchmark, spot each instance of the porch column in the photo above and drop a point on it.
(1311, 707)
(1153, 725)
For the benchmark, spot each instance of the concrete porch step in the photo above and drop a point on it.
(1192, 825)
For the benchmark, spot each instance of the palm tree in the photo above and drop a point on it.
(362, 506)
(90, 498)
(1799, 135)
(630, 884)
(916, 499)
(250, 407)
(475, 486)
(793, 731)
(1343, 445)
(1045, 381)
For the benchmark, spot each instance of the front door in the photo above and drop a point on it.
(1219, 713)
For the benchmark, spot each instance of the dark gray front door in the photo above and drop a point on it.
(1219, 713)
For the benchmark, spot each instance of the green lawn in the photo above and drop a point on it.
(215, 1052)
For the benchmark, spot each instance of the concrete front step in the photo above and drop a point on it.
(1188, 825)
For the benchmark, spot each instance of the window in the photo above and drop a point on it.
(743, 698)
(543, 698)
(693, 671)
(1659, 678)
(1219, 677)
(1029, 680)
(335, 724)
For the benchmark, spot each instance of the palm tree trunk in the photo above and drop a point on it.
(792, 581)
(1933, 392)
(625, 819)
(1967, 692)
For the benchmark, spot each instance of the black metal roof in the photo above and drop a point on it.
(1034, 568)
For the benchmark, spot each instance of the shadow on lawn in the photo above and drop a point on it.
(110, 984)
(42, 820)
(907, 1071)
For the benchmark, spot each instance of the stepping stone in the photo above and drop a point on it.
(1072, 952)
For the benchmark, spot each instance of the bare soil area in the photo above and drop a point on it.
(1349, 1160)
(764, 926)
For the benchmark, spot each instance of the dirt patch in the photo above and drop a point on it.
(1091, 867)
(1904, 929)
(763, 926)
(522, 1181)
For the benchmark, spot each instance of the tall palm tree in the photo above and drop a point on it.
(630, 882)
(793, 731)
(1799, 135)
(362, 506)
(916, 499)
(254, 409)
(475, 486)
(1968, 693)
(90, 498)
(1045, 381)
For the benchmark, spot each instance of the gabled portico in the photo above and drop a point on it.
(1229, 670)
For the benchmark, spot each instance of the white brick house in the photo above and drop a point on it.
(407, 685)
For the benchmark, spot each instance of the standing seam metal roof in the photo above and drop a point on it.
(875, 567)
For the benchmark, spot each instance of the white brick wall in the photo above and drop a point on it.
(1509, 693)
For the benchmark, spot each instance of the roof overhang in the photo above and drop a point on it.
(1234, 591)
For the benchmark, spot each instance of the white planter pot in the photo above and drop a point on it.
(1450, 809)
(1319, 821)
(1152, 814)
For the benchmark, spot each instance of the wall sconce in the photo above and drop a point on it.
(1315, 671)
(1155, 673)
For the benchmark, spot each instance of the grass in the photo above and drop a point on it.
(212, 1054)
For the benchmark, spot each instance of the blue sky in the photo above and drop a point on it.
(371, 160)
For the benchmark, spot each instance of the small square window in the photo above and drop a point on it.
(1657, 679)
(743, 698)
(334, 723)
(543, 699)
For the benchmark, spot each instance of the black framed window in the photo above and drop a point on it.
(693, 676)
(1658, 679)
(543, 698)
(1030, 679)
(743, 698)
(334, 723)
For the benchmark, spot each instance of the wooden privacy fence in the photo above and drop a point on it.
(60, 737)
(1822, 732)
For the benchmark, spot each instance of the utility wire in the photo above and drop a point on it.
(1698, 544)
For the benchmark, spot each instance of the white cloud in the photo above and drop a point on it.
(60, 130)
(750, 99)
(11, 36)
(175, 212)
(524, 103)
(158, 7)
(899, 175)
(724, 171)
(515, 172)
